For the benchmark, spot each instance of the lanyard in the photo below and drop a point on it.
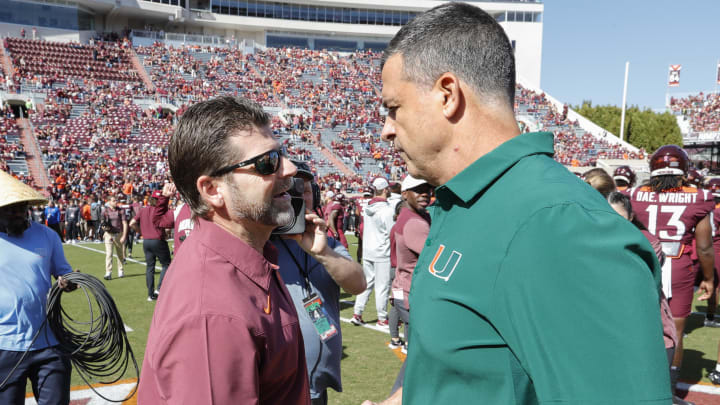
(305, 273)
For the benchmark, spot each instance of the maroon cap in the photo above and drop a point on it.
(156, 194)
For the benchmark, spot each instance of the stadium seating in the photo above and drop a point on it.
(94, 134)
(703, 111)
(104, 61)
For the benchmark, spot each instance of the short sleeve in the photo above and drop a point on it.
(59, 264)
(415, 233)
(339, 248)
(577, 305)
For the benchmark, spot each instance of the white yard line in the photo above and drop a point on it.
(705, 389)
(87, 397)
(367, 325)
(127, 328)
(103, 253)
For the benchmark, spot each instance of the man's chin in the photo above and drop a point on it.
(282, 218)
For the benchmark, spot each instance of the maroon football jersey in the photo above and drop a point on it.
(672, 216)
(716, 224)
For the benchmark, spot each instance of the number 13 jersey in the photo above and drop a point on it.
(672, 215)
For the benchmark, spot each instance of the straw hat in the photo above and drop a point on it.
(13, 191)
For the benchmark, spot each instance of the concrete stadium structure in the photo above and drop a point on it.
(340, 25)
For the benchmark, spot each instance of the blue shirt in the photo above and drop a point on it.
(53, 215)
(323, 358)
(26, 263)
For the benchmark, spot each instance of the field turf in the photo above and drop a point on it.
(369, 368)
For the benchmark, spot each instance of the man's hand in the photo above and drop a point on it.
(314, 239)
(66, 285)
(705, 289)
(169, 190)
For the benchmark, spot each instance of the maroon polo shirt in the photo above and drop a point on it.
(225, 330)
(148, 228)
(116, 217)
(182, 221)
(410, 232)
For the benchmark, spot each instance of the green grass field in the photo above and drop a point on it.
(369, 368)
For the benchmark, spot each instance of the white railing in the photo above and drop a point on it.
(179, 37)
(700, 137)
(585, 123)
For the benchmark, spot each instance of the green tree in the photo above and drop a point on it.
(643, 128)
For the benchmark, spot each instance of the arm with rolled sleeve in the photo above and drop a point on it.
(577, 304)
(162, 216)
(207, 359)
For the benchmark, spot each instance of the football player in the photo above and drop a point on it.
(695, 178)
(676, 215)
(335, 214)
(714, 186)
(624, 178)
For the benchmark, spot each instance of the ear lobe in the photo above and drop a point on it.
(449, 87)
(210, 191)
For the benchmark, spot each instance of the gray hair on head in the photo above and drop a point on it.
(462, 39)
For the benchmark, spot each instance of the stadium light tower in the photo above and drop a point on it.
(622, 115)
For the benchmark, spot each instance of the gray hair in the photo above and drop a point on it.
(462, 39)
(199, 145)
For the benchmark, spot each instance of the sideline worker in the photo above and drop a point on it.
(29, 254)
(314, 267)
(155, 246)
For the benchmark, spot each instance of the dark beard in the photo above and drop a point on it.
(14, 227)
(267, 213)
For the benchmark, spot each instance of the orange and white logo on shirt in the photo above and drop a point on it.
(449, 265)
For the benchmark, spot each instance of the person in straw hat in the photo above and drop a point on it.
(29, 254)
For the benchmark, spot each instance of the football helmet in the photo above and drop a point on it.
(625, 174)
(714, 186)
(695, 178)
(669, 160)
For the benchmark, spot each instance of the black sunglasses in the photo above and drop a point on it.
(266, 163)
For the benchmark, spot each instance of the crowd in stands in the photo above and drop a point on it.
(573, 146)
(8, 126)
(91, 130)
(703, 111)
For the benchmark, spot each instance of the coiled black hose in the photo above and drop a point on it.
(99, 348)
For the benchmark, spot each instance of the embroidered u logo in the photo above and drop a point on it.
(449, 266)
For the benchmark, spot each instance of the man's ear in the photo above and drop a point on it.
(447, 89)
(210, 189)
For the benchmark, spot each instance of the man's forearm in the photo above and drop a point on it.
(346, 273)
(706, 257)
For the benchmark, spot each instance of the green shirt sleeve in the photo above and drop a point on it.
(579, 310)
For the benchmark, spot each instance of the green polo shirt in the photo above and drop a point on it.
(532, 290)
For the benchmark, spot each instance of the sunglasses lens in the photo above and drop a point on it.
(268, 164)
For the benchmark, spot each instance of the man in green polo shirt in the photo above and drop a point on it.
(530, 288)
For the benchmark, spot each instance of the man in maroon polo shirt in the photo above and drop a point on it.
(225, 330)
(155, 247)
